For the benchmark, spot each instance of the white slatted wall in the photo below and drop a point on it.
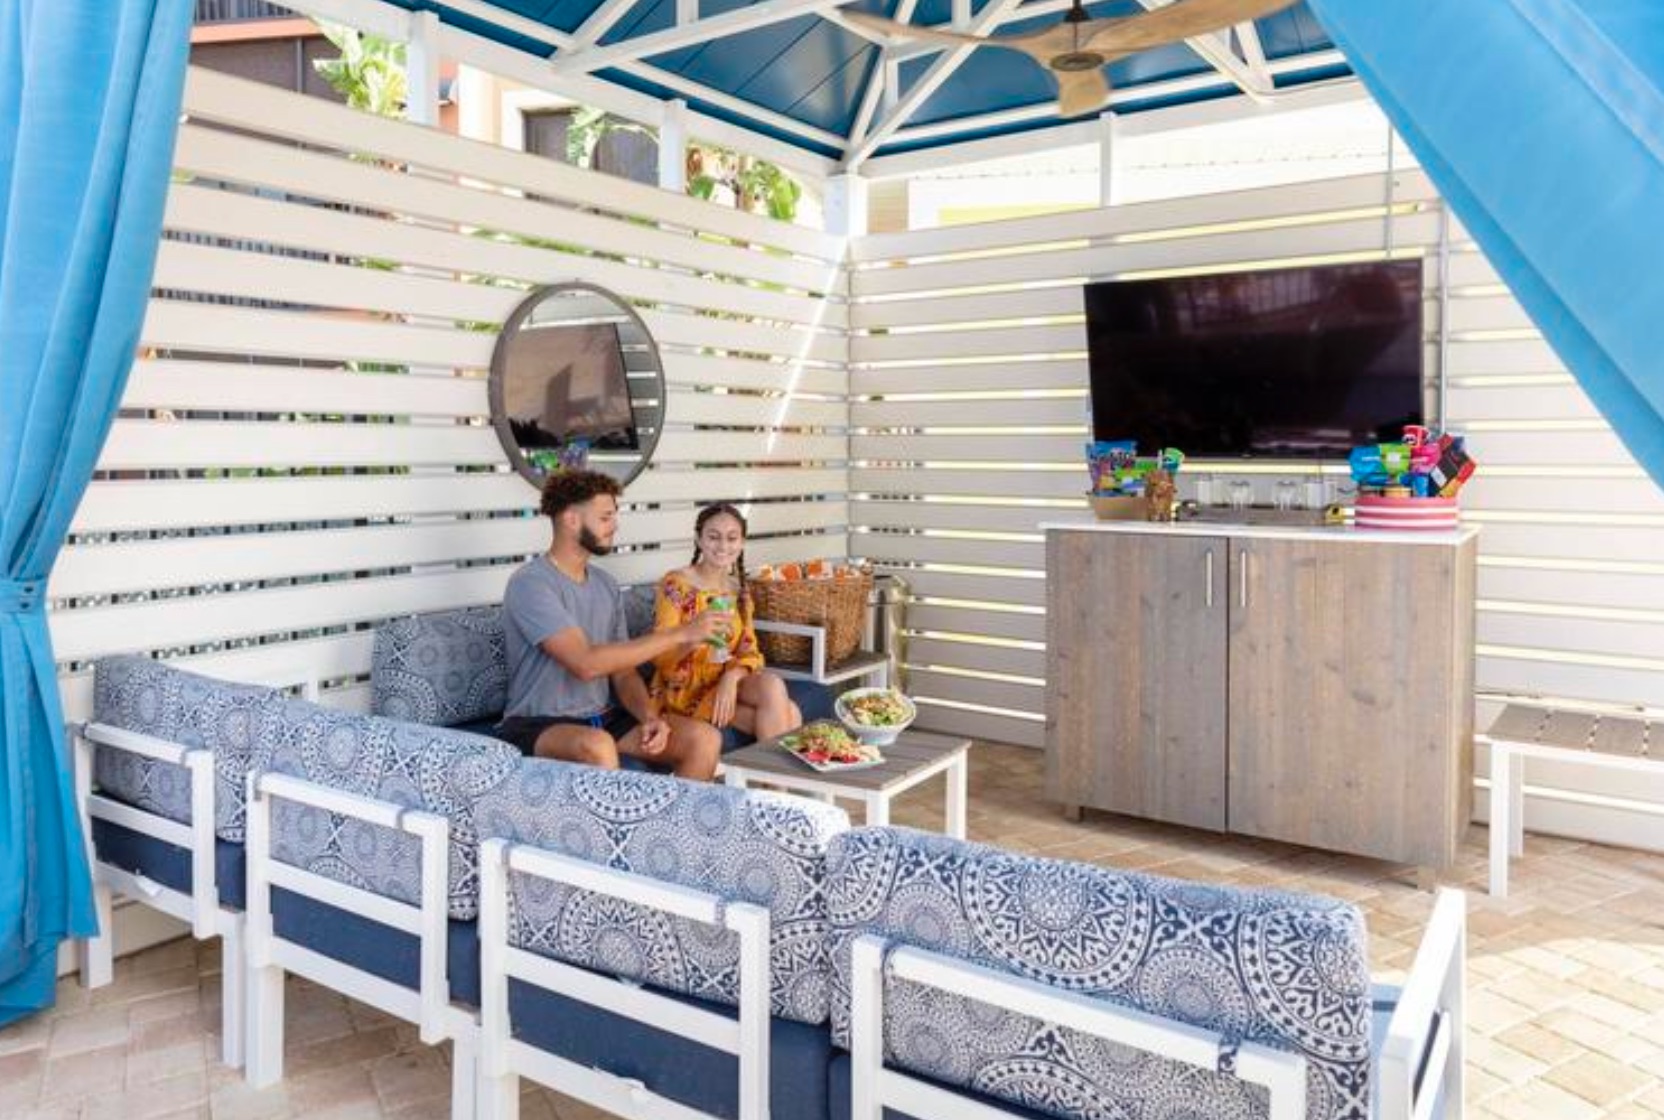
(266, 495)
(968, 382)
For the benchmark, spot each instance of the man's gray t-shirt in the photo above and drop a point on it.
(540, 602)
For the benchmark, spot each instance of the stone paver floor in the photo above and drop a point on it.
(1566, 983)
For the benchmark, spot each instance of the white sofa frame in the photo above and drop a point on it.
(1418, 1067)
(504, 1059)
(200, 908)
(270, 956)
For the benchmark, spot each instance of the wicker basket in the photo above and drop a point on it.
(839, 605)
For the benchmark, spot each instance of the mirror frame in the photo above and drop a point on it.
(499, 373)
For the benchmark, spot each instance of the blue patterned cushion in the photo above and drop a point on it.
(747, 847)
(446, 668)
(1289, 971)
(152, 698)
(410, 765)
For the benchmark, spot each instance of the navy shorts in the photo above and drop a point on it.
(523, 731)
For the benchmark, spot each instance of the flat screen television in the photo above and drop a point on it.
(1289, 363)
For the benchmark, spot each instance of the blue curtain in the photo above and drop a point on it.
(89, 105)
(1542, 123)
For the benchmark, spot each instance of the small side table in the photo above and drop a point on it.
(914, 757)
(1585, 738)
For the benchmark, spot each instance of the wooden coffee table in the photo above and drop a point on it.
(914, 757)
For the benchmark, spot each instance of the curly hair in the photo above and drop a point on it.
(565, 489)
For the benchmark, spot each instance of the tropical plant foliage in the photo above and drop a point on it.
(370, 72)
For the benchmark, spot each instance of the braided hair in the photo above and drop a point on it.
(718, 509)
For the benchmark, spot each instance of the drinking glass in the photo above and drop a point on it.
(1285, 493)
(719, 642)
(1241, 493)
(1204, 490)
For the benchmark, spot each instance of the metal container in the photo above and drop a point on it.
(886, 623)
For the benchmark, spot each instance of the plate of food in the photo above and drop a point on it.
(876, 715)
(828, 748)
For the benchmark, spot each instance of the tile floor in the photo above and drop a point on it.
(1566, 983)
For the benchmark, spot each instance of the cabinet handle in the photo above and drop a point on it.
(1210, 578)
(1242, 582)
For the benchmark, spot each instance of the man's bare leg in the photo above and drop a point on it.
(577, 742)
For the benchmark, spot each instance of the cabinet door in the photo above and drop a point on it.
(1347, 680)
(1136, 643)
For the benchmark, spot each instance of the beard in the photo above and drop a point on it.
(591, 543)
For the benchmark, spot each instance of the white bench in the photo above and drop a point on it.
(1524, 732)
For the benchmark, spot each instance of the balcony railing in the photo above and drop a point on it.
(232, 11)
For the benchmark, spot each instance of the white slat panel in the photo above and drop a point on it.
(1572, 542)
(1610, 590)
(1013, 483)
(660, 484)
(949, 550)
(742, 373)
(976, 413)
(980, 726)
(1514, 402)
(977, 690)
(1551, 679)
(1009, 660)
(948, 345)
(233, 387)
(1019, 449)
(681, 329)
(742, 410)
(749, 447)
(1488, 313)
(215, 96)
(1225, 249)
(1532, 448)
(1175, 214)
(81, 634)
(1485, 492)
(1017, 589)
(241, 217)
(648, 567)
(1037, 303)
(223, 155)
(993, 377)
(953, 515)
(1560, 633)
(240, 330)
(157, 444)
(133, 504)
(1511, 356)
(976, 620)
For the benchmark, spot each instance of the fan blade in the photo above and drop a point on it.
(1182, 20)
(1023, 42)
(1081, 91)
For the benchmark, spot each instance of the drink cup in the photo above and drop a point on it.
(719, 642)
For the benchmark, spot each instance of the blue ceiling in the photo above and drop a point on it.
(814, 72)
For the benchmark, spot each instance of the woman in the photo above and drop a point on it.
(720, 683)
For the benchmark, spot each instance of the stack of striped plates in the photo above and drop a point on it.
(1406, 513)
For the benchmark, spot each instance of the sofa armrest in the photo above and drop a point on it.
(501, 961)
(875, 1088)
(1420, 1060)
(427, 920)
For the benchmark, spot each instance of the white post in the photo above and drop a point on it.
(1106, 159)
(673, 144)
(846, 205)
(421, 105)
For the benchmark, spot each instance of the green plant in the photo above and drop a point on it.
(370, 72)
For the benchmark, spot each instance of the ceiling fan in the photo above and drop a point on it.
(1076, 48)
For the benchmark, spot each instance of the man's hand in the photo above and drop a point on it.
(655, 735)
(727, 698)
(704, 626)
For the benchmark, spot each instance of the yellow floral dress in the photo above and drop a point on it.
(684, 681)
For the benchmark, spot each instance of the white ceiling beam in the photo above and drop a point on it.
(882, 81)
(833, 15)
(736, 22)
(1253, 53)
(1215, 49)
(601, 21)
(928, 83)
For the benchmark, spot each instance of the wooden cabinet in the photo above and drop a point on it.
(1310, 687)
(1136, 671)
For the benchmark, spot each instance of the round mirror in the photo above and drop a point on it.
(576, 380)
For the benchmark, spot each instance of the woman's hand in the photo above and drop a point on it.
(727, 698)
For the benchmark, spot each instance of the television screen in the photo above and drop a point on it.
(1293, 363)
(574, 386)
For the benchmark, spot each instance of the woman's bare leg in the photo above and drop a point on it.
(771, 709)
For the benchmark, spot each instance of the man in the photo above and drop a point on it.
(566, 641)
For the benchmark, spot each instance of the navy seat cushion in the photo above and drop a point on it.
(670, 1065)
(169, 864)
(378, 949)
(838, 1095)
